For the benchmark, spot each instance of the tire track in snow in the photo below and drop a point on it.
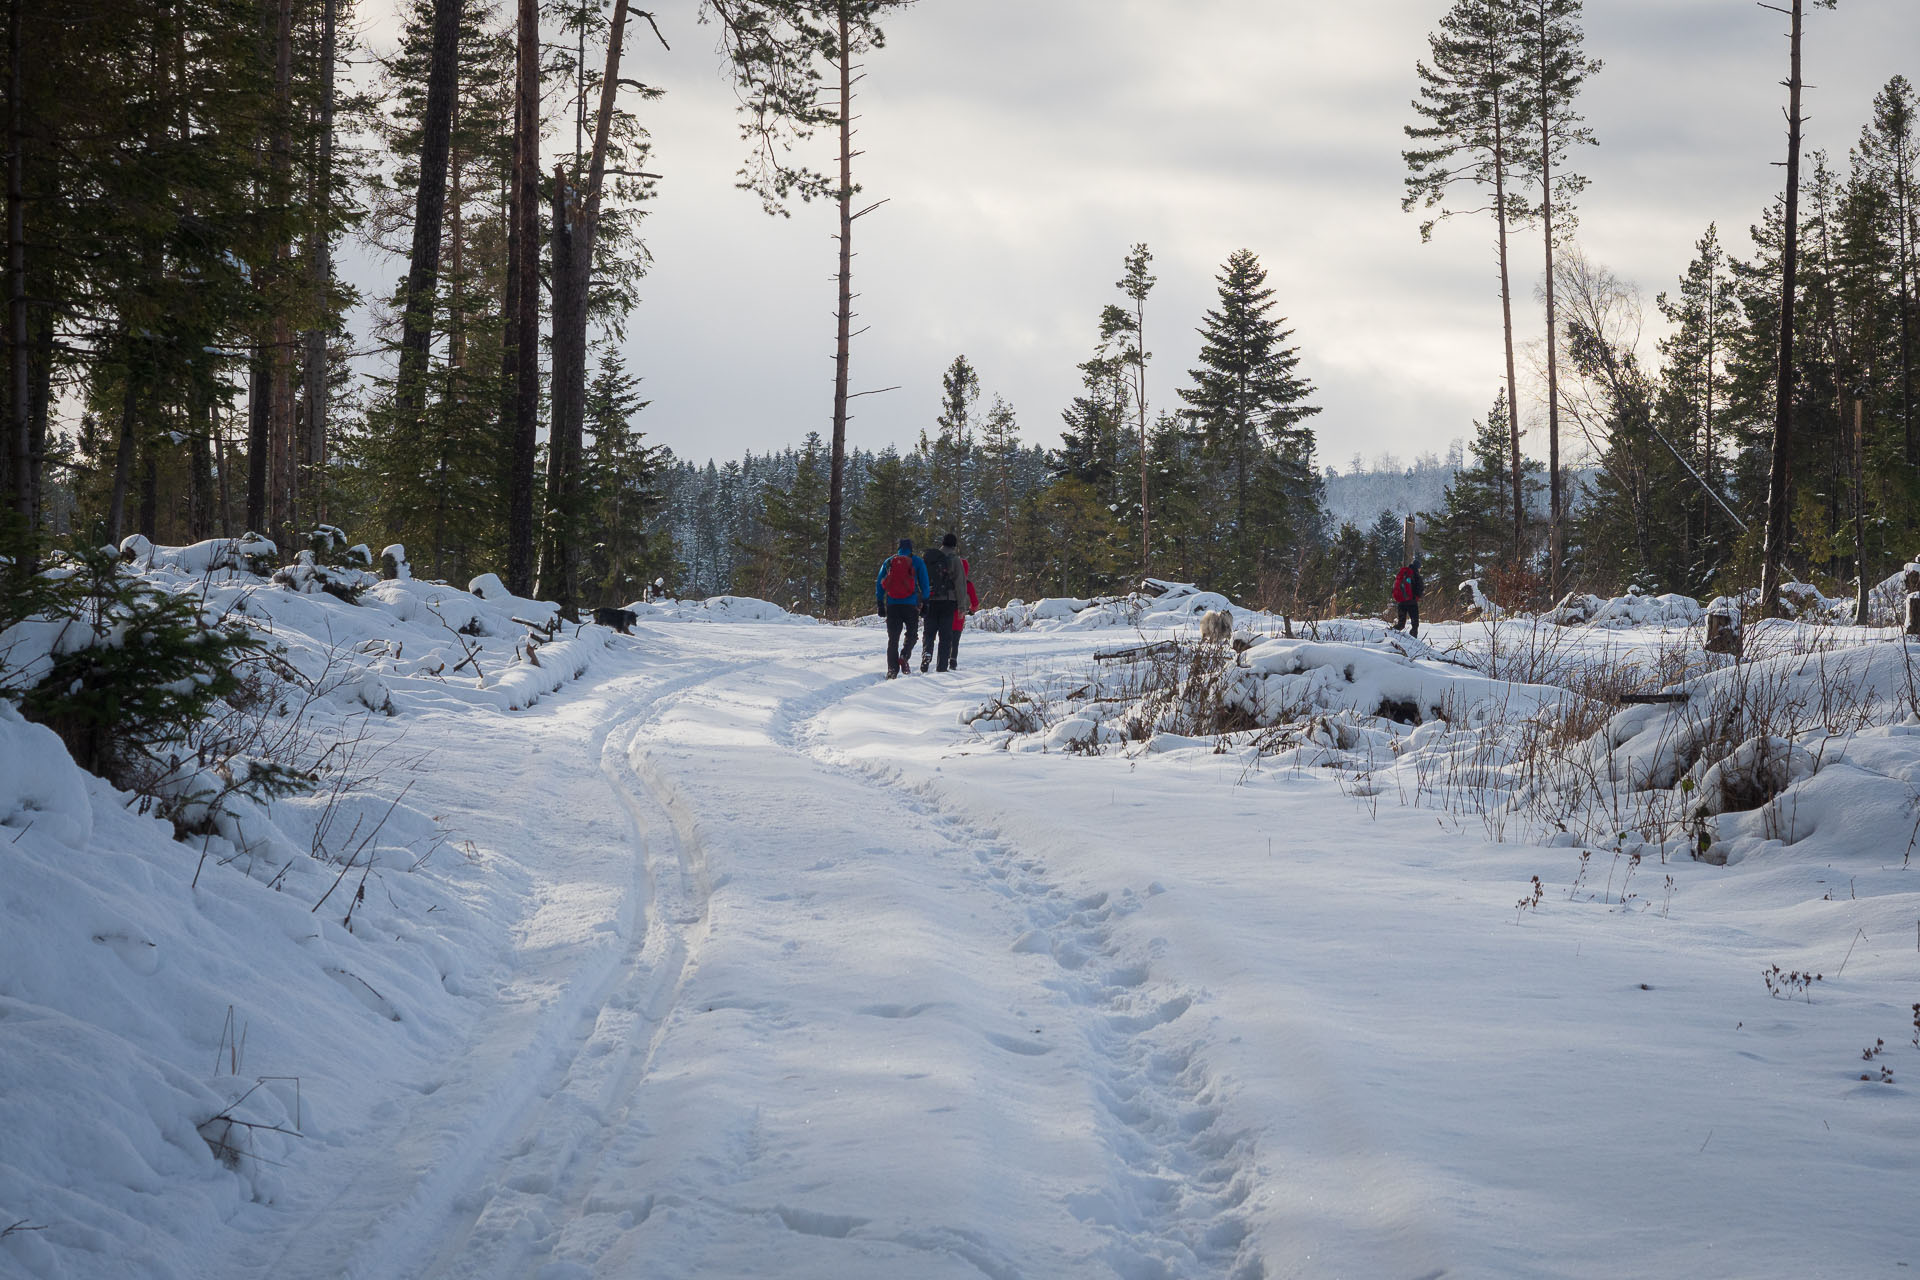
(1181, 1177)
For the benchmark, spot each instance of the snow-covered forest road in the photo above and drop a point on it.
(780, 969)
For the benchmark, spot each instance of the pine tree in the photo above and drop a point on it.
(1554, 69)
(781, 51)
(1476, 110)
(1695, 385)
(1888, 159)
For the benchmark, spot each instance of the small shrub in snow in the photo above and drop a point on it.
(1785, 985)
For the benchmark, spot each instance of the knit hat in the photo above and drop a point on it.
(949, 541)
(906, 544)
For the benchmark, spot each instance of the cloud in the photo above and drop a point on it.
(1023, 145)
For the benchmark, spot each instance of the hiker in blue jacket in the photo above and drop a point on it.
(898, 592)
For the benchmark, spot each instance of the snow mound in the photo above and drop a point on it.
(40, 790)
(716, 609)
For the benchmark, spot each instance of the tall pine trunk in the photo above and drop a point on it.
(313, 446)
(557, 552)
(25, 462)
(1556, 500)
(843, 321)
(1506, 326)
(576, 219)
(1140, 405)
(1779, 472)
(282, 501)
(522, 340)
(429, 209)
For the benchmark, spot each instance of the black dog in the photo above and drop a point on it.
(620, 620)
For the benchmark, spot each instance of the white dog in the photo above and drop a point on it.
(1216, 627)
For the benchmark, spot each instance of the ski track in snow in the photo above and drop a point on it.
(566, 1140)
(537, 1118)
(582, 1109)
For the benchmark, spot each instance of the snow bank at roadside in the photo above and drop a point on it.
(179, 1024)
(338, 928)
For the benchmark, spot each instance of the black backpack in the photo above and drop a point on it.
(940, 575)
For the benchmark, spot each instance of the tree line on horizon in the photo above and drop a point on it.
(182, 172)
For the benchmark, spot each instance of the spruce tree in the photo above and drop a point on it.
(1248, 402)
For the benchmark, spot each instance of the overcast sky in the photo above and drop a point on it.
(1024, 145)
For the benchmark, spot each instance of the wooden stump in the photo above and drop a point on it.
(1723, 636)
(1913, 614)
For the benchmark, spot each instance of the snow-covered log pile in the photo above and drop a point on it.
(1635, 609)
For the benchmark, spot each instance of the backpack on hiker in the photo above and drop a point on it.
(1403, 585)
(900, 582)
(940, 576)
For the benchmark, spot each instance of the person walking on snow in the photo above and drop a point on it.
(898, 593)
(1407, 590)
(943, 603)
(960, 615)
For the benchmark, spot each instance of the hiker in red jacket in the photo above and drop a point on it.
(960, 615)
(1407, 590)
(897, 594)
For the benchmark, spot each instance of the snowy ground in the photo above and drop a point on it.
(739, 961)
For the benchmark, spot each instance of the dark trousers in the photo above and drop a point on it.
(941, 638)
(1408, 611)
(901, 617)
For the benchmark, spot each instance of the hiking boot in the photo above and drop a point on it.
(893, 675)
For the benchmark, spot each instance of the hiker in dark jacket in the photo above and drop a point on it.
(943, 601)
(898, 592)
(1407, 590)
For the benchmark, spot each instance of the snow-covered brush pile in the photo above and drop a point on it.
(1817, 752)
(1155, 604)
(1362, 695)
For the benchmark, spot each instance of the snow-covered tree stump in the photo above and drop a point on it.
(1724, 635)
(1913, 613)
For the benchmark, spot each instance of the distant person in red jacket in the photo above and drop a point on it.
(960, 615)
(1407, 590)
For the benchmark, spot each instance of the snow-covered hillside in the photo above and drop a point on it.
(707, 952)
